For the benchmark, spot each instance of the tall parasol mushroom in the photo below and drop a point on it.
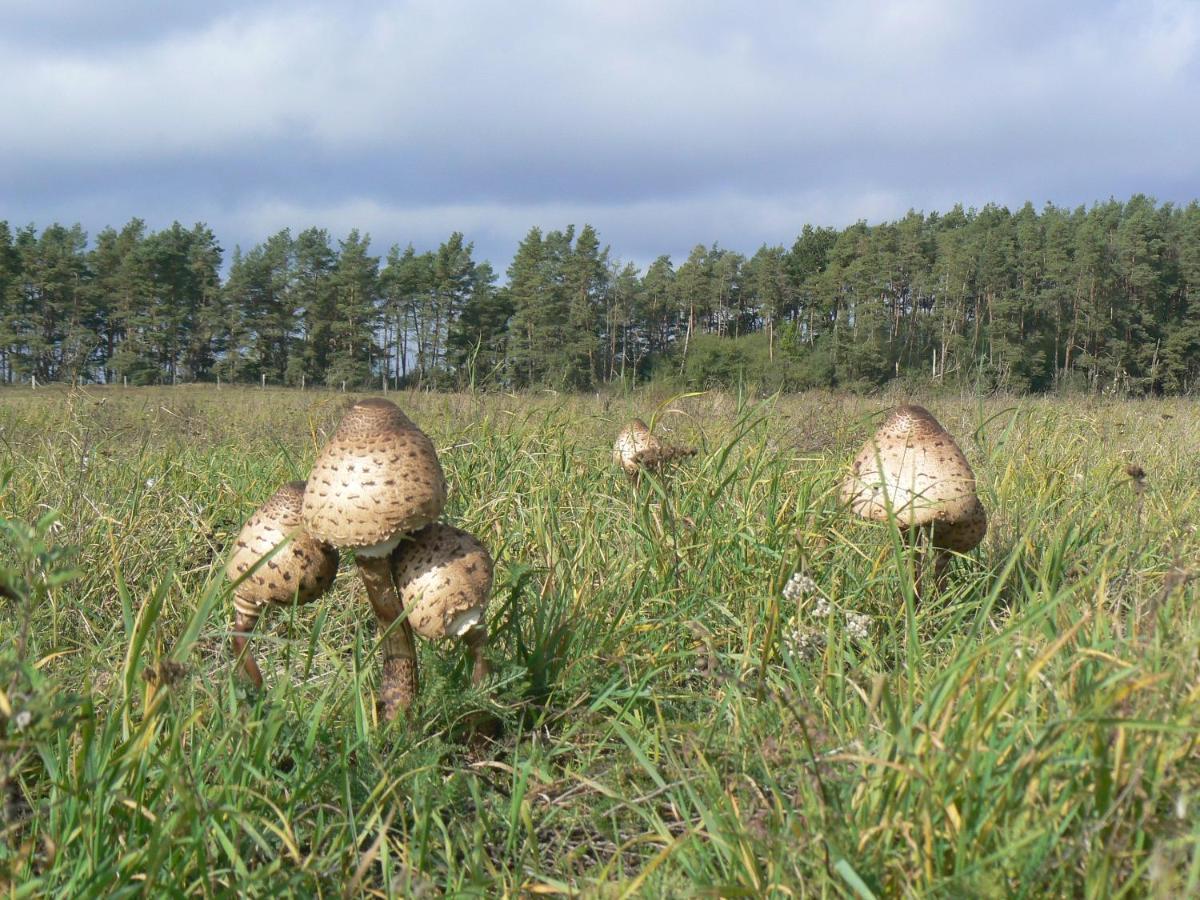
(377, 479)
(912, 469)
(636, 449)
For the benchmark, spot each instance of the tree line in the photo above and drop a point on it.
(1100, 298)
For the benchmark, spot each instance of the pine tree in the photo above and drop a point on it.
(770, 288)
(623, 301)
(1144, 306)
(406, 284)
(183, 272)
(1100, 348)
(528, 286)
(806, 261)
(313, 301)
(452, 286)
(124, 290)
(259, 300)
(10, 273)
(478, 337)
(584, 282)
(202, 345)
(693, 293)
(48, 318)
(657, 309)
(911, 284)
(1181, 346)
(353, 351)
(1054, 297)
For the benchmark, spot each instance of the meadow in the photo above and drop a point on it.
(672, 724)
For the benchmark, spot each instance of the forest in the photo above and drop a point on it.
(1103, 299)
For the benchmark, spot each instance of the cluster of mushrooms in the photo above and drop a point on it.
(911, 469)
(378, 490)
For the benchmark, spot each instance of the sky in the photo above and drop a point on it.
(663, 123)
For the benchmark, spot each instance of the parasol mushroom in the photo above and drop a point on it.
(912, 469)
(444, 576)
(299, 572)
(637, 449)
(376, 480)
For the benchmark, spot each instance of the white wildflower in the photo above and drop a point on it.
(805, 643)
(821, 609)
(799, 585)
(150, 482)
(858, 625)
(22, 720)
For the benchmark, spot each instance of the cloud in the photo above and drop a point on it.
(648, 228)
(652, 120)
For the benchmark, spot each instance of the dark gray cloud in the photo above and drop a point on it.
(662, 123)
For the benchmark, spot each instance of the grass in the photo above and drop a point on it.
(1030, 732)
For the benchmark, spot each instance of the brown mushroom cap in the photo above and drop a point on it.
(377, 479)
(444, 576)
(915, 464)
(657, 458)
(962, 535)
(634, 439)
(300, 572)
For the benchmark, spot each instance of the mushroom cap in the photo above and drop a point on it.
(962, 535)
(444, 576)
(635, 438)
(376, 479)
(657, 458)
(300, 572)
(914, 463)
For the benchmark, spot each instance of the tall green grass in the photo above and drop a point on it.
(1031, 731)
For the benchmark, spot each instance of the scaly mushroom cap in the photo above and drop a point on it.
(913, 462)
(377, 479)
(657, 458)
(444, 576)
(963, 535)
(635, 438)
(301, 572)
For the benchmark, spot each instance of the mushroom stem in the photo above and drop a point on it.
(398, 685)
(941, 568)
(476, 639)
(918, 539)
(247, 617)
